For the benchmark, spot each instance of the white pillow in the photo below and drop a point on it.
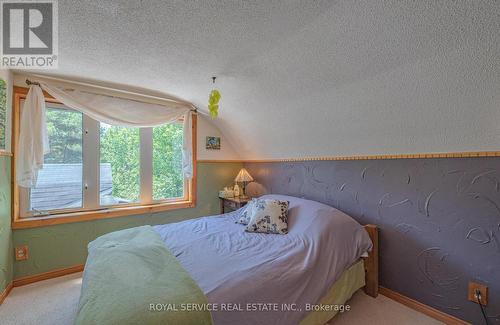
(269, 216)
(246, 213)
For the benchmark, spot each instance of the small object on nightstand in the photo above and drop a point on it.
(236, 190)
(226, 192)
(232, 204)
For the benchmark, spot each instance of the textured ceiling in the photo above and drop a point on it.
(306, 78)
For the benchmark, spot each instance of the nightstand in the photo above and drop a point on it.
(228, 204)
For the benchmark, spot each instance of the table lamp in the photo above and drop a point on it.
(244, 178)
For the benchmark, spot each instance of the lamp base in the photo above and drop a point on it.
(243, 194)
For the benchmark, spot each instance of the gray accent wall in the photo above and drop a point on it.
(439, 220)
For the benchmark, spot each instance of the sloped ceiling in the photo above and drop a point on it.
(306, 78)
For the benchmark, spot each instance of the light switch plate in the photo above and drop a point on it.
(21, 253)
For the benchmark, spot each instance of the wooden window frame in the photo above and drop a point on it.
(189, 201)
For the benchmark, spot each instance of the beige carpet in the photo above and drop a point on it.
(54, 302)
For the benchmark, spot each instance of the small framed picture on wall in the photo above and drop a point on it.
(213, 143)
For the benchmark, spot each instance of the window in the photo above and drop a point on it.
(120, 165)
(167, 173)
(59, 184)
(98, 170)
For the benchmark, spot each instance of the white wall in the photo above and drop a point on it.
(308, 78)
(207, 128)
(373, 77)
(448, 102)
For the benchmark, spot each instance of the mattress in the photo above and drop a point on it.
(342, 290)
(252, 270)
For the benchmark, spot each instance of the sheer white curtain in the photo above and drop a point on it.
(33, 139)
(112, 110)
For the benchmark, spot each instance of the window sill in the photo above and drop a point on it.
(80, 216)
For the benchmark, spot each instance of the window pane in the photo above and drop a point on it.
(59, 184)
(167, 162)
(119, 170)
(3, 113)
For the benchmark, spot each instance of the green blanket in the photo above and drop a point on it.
(132, 278)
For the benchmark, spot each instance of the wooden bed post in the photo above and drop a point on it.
(371, 263)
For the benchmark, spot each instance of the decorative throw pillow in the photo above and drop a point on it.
(269, 216)
(246, 213)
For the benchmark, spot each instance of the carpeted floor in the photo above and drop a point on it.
(54, 302)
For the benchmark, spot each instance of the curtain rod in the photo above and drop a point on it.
(194, 109)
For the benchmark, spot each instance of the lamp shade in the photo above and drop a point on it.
(243, 176)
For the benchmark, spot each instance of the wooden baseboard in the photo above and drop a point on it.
(6, 292)
(420, 307)
(47, 275)
(39, 277)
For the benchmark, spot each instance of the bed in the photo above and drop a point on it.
(301, 277)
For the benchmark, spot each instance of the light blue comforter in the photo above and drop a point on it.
(235, 268)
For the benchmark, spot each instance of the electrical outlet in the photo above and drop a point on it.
(21, 253)
(473, 286)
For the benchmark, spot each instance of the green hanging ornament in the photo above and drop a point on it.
(213, 102)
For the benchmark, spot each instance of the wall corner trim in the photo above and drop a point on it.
(422, 308)
(430, 155)
(215, 161)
